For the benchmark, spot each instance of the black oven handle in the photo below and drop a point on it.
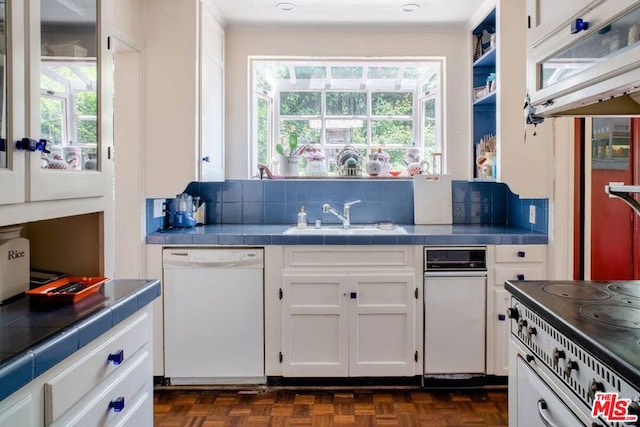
(542, 406)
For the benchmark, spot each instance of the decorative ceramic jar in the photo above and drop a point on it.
(374, 166)
(316, 164)
(289, 165)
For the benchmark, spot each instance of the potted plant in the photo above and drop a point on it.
(289, 156)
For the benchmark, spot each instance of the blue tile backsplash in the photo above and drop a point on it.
(279, 201)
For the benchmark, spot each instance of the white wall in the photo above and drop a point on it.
(453, 44)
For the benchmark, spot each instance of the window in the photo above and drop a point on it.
(388, 105)
(69, 111)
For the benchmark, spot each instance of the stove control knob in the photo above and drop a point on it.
(571, 365)
(522, 323)
(595, 387)
(532, 331)
(512, 313)
(557, 355)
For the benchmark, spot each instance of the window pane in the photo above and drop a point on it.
(308, 131)
(384, 72)
(305, 73)
(50, 85)
(299, 103)
(392, 132)
(346, 72)
(346, 132)
(264, 119)
(87, 113)
(346, 103)
(392, 103)
(51, 116)
(396, 158)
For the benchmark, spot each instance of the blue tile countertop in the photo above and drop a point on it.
(261, 235)
(35, 338)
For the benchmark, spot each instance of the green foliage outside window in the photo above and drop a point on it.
(346, 103)
(300, 103)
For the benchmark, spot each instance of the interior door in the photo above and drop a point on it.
(611, 220)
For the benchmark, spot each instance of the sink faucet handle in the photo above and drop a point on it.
(347, 204)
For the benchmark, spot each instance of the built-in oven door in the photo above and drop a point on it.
(537, 403)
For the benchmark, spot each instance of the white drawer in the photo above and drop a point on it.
(139, 412)
(94, 409)
(65, 389)
(521, 253)
(348, 256)
(523, 272)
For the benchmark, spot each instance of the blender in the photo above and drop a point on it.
(182, 211)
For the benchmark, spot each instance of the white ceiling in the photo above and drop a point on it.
(345, 12)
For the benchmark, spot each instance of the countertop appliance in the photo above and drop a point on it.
(455, 282)
(213, 315)
(182, 210)
(570, 340)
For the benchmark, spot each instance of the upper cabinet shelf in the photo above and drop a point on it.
(484, 97)
(488, 59)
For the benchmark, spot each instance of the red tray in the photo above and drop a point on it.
(89, 285)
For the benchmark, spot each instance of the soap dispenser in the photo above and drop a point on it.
(302, 218)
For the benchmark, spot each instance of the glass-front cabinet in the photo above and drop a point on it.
(57, 61)
(66, 97)
(596, 46)
(12, 161)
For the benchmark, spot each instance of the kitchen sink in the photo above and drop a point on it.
(338, 230)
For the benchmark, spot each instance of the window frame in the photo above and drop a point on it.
(417, 118)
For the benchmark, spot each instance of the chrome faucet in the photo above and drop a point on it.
(344, 216)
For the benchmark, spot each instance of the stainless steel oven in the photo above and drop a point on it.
(455, 281)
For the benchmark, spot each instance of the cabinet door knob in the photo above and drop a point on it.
(579, 25)
(502, 317)
(206, 159)
(117, 404)
(353, 295)
(117, 357)
(33, 145)
(521, 254)
(520, 276)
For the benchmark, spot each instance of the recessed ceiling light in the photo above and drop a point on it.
(286, 7)
(410, 7)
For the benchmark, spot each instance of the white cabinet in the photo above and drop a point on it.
(184, 78)
(343, 314)
(112, 372)
(20, 409)
(568, 69)
(60, 90)
(54, 90)
(315, 337)
(545, 16)
(70, 103)
(211, 96)
(507, 262)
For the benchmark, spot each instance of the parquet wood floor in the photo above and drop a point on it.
(355, 407)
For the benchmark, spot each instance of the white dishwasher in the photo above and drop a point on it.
(213, 315)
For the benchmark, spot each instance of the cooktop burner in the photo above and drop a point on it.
(611, 314)
(627, 289)
(575, 291)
